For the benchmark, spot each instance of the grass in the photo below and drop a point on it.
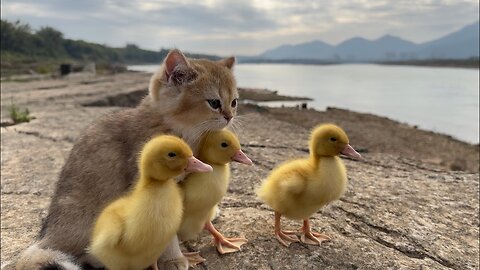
(16, 64)
(19, 116)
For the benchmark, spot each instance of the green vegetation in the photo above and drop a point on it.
(19, 116)
(24, 50)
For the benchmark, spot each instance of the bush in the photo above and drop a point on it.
(19, 116)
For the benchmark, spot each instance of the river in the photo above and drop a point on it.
(444, 100)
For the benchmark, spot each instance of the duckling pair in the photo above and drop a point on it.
(299, 188)
(133, 231)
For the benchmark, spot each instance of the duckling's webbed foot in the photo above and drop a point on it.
(229, 245)
(225, 245)
(194, 258)
(285, 238)
(312, 238)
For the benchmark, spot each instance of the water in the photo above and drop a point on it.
(444, 100)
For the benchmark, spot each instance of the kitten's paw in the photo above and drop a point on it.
(174, 264)
(216, 213)
(90, 260)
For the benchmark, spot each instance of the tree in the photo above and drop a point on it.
(52, 41)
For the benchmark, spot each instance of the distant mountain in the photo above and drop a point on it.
(314, 49)
(463, 43)
(386, 47)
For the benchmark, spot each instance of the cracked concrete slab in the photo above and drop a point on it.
(399, 212)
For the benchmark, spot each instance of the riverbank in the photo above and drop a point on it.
(448, 63)
(377, 134)
(406, 202)
(374, 133)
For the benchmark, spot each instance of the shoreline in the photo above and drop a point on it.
(379, 134)
(376, 133)
(247, 94)
(273, 97)
(434, 133)
(266, 95)
(440, 63)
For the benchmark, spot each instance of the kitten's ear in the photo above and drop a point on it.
(174, 60)
(228, 62)
(177, 69)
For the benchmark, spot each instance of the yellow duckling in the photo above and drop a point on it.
(133, 231)
(299, 188)
(202, 192)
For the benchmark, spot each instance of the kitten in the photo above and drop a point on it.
(186, 98)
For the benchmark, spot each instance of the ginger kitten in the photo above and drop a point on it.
(207, 100)
(186, 98)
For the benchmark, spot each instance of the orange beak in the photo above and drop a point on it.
(242, 158)
(350, 152)
(195, 165)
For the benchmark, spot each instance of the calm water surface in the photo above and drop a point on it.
(444, 100)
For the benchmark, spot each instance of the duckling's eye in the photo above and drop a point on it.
(171, 154)
(234, 103)
(214, 103)
(224, 144)
(333, 139)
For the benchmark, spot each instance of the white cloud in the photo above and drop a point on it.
(241, 27)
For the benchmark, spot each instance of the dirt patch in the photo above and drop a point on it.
(254, 94)
(377, 134)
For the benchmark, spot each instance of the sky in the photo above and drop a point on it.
(230, 27)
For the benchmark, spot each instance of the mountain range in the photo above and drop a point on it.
(460, 44)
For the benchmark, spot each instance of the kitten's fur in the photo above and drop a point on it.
(102, 164)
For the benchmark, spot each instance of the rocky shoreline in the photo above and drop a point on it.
(412, 203)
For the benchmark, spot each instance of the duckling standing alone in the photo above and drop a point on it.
(202, 192)
(299, 188)
(133, 231)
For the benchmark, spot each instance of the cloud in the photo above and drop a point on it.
(223, 18)
(246, 27)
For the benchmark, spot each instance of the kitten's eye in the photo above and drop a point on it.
(171, 154)
(333, 139)
(224, 144)
(234, 103)
(214, 103)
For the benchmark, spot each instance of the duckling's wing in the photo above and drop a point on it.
(111, 228)
(293, 184)
(294, 177)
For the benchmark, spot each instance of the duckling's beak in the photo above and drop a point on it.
(195, 165)
(242, 158)
(350, 152)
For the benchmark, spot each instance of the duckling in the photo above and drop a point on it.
(133, 231)
(202, 192)
(299, 188)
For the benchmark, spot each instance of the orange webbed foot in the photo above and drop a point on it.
(311, 238)
(229, 245)
(225, 245)
(284, 237)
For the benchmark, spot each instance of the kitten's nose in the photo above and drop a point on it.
(227, 117)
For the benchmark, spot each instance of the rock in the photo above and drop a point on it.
(398, 212)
